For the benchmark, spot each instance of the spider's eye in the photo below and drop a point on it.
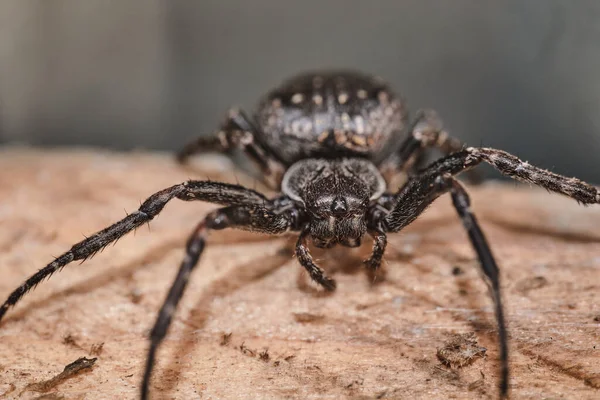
(339, 206)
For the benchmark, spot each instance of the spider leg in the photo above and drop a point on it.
(305, 259)
(512, 166)
(253, 218)
(414, 198)
(379, 244)
(422, 189)
(215, 192)
(462, 204)
(427, 131)
(410, 200)
(237, 132)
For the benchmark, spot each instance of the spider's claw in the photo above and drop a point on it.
(372, 263)
(319, 276)
(316, 273)
(379, 244)
(328, 284)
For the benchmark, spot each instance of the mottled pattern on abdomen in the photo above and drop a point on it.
(331, 114)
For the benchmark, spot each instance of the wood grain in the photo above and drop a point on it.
(287, 340)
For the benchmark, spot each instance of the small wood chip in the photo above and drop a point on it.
(460, 350)
(306, 318)
(70, 371)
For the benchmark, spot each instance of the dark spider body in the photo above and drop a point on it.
(331, 143)
(336, 193)
(331, 115)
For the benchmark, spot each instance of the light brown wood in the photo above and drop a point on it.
(363, 342)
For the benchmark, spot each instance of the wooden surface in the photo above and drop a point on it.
(363, 342)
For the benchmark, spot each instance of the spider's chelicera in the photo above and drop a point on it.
(331, 143)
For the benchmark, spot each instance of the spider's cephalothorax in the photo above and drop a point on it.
(331, 143)
(336, 194)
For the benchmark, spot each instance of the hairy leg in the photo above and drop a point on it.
(379, 244)
(489, 270)
(426, 132)
(305, 259)
(237, 132)
(253, 218)
(421, 190)
(414, 200)
(513, 167)
(414, 193)
(219, 193)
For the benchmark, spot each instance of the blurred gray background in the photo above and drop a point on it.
(523, 76)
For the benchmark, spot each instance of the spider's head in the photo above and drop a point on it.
(337, 207)
(336, 195)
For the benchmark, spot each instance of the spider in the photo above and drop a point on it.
(331, 142)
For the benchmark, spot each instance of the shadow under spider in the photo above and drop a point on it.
(254, 270)
(344, 261)
(480, 321)
(339, 260)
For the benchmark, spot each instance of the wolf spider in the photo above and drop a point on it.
(330, 142)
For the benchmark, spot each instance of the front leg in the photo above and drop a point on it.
(251, 218)
(512, 166)
(215, 192)
(237, 132)
(305, 259)
(414, 193)
(379, 244)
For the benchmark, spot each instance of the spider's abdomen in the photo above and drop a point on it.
(331, 114)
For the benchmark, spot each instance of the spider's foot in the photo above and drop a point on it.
(372, 263)
(375, 273)
(326, 282)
